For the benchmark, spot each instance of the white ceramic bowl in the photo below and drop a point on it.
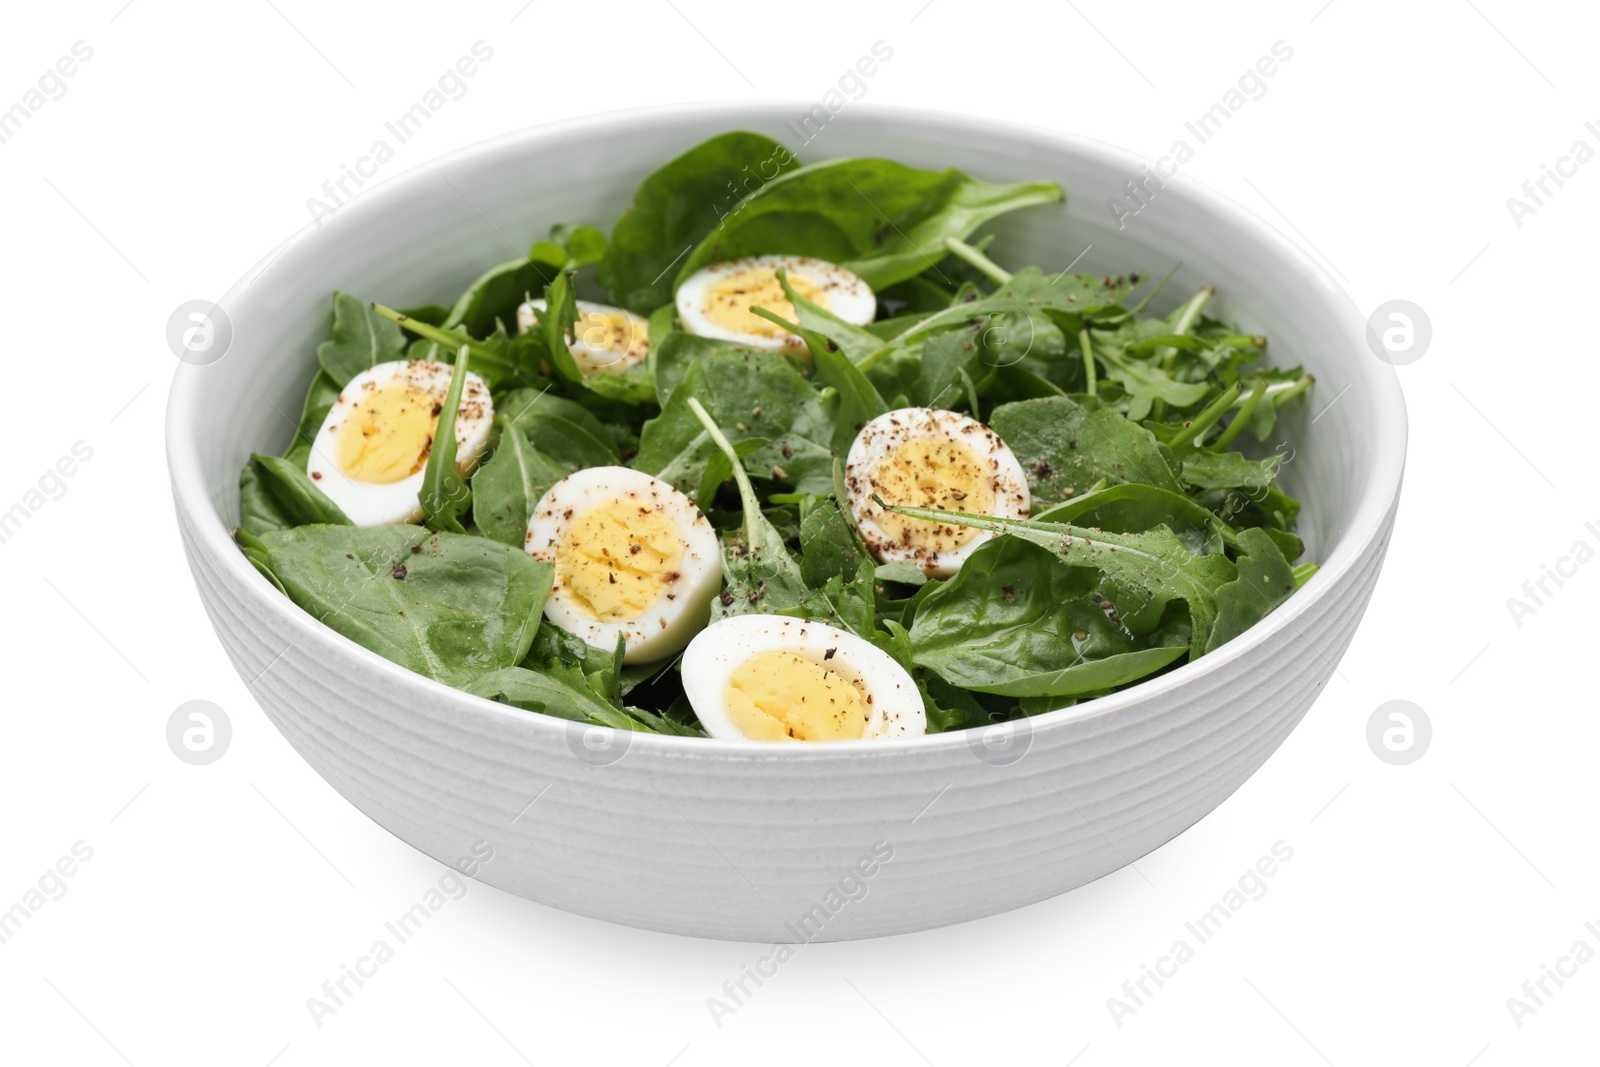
(760, 842)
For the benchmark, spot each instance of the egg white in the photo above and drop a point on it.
(385, 503)
(880, 438)
(593, 357)
(845, 296)
(664, 626)
(720, 649)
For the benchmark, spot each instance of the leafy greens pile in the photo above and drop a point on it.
(1153, 538)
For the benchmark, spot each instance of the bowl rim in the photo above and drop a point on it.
(1379, 492)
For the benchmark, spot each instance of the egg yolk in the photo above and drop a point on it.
(617, 558)
(388, 433)
(729, 299)
(780, 696)
(609, 342)
(932, 473)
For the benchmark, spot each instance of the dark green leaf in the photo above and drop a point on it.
(445, 494)
(362, 339)
(447, 606)
(1065, 448)
(676, 207)
(508, 486)
(275, 494)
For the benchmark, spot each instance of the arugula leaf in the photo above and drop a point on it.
(1228, 470)
(759, 575)
(1147, 570)
(749, 394)
(858, 401)
(275, 494)
(856, 343)
(676, 207)
(1265, 581)
(1134, 507)
(447, 606)
(1065, 447)
(445, 495)
(362, 339)
(1016, 621)
(499, 360)
(829, 548)
(507, 487)
(885, 221)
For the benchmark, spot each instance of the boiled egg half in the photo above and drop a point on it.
(632, 555)
(715, 301)
(369, 455)
(606, 339)
(777, 678)
(930, 458)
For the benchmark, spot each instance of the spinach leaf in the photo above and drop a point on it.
(748, 394)
(362, 339)
(445, 494)
(569, 658)
(885, 221)
(1265, 581)
(447, 606)
(856, 343)
(508, 486)
(1016, 621)
(759, 575)
(561, 429)
(582, 244)
(1065, 447)
(319, 401)
(275, 494)
(491, 302)
(676, 207)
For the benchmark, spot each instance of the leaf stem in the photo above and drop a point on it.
(1197, 426)
(1088, 360)
(1301, 385)
(1246, 409)
(985, 266)
(747, 492)
(1169, 356)
(1162, 284)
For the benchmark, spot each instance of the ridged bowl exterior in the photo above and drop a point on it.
(784, 843)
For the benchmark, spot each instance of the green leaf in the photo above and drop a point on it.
(583, 244)
(1134, 507)
(447, 606)
(275, 494)
(362, 339)
(445, 495)
(1204, 469)
(884, 221)
(508, 486)
(492, 301)
(1016, 621)
(1146, 570)
(856, 343)
(748, 394)
(1265, 580)
(676, 207)
(319, 401)
(858, 402)
(561, 429)
(829, 548)
(1065, 447)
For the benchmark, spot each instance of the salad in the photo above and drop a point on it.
(811, 466)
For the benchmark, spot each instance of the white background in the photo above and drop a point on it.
(219, 898)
